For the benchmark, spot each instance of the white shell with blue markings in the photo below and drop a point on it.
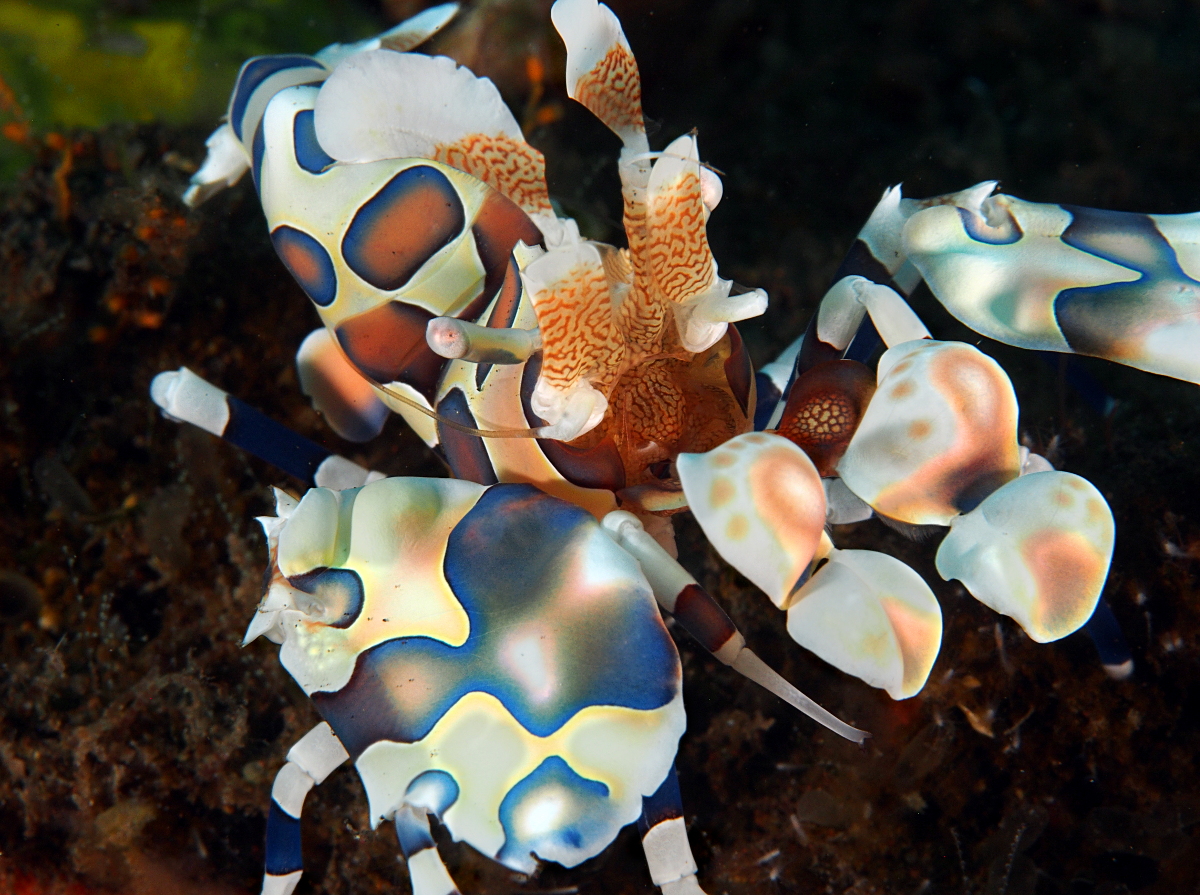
(496, 635)
(1065, 278)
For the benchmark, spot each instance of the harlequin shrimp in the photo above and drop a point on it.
(486, 648)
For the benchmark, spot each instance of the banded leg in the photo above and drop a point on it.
(1110, 642)
(665, 841)
(702, 616)
(184, 396)
(309, 762)
(425, 868)
(431, 793)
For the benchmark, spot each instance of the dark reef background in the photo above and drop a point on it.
(138, 741)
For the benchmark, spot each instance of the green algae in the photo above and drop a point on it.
(77, 64)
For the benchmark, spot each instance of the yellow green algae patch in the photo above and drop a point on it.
(74, 64)
(147, 71)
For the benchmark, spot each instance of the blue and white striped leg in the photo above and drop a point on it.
(186, 397)
(425, 868)
(1106, 634)
(309, 762)
(665, 841)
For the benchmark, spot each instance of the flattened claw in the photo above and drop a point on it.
(678, 593)
(939, 435)
(1037, 550)
(871, 616)
(760, 501)
(1110, 284)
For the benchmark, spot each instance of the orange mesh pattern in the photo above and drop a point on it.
(654, 413)
(514, 168)
(612, 90)
(616, 264)
(668, 404)
(579, 338)
(642, 314)
(680, 258)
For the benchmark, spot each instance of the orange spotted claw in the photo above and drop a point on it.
(761, 503)
(939, 435)
(1037, 550)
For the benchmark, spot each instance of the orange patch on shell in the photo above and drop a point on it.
(721, 492)
(790, 500)
(1066, 569)
(918, 635)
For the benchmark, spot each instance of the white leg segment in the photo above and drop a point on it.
(669, 858)
(678, 593)
(429, 875)
(843, 306)
(318, 752)
(425, 868)
(183, 395)
(338, 473)
(310, 761)
(291, 786)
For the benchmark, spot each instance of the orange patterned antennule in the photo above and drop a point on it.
(612, 91)
(642, 313)
(580, 340)
(512, 167)
(680, 259)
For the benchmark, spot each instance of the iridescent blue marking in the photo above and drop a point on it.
(433, 790)
(255, 432)
(340, 591)
(283, 842)
(1093, 319)
(309, 154)
(413, 835)
(308, 261)
(410, 219)
(551, 810)
(993, 236)
(254, 72)
(533, 644)
(258, 151)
